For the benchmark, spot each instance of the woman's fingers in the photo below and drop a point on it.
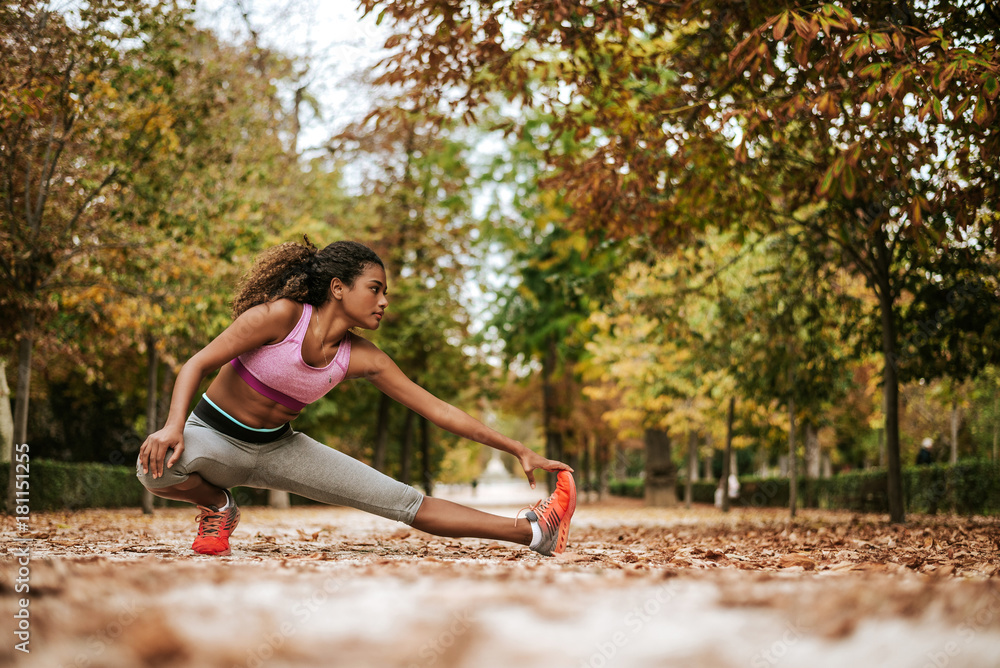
(144, 457)
(178, 449)
(155, 448)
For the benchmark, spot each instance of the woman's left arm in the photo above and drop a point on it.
(378, 368)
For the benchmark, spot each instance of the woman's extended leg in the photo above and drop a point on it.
(445, 518)
(303, 466)
(544, 528)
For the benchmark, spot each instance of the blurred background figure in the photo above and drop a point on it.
(925, 456)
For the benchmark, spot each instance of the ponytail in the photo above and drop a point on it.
(302, 273)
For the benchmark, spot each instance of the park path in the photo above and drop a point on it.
(321, 586)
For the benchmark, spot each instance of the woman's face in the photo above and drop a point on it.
(365, 301)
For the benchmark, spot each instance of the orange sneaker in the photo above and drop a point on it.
(553, 515)
(214, 528)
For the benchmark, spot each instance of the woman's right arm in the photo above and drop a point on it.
(257, 326)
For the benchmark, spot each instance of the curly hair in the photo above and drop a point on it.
(302, 272)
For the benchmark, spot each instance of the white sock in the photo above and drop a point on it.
(536, 535)
(229, 501)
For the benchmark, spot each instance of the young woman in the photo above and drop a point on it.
(288, 346)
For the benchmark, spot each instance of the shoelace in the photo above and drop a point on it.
(540, 505)
(210, 521)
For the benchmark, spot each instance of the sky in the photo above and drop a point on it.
(330, 35)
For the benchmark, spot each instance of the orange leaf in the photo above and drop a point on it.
(781, 27)
(803, 28)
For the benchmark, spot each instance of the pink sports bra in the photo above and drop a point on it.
(281, 365)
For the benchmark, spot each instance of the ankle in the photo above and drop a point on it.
(536, 535)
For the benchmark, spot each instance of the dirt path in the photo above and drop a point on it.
(640, 587)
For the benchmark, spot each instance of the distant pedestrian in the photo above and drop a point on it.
(925, 456)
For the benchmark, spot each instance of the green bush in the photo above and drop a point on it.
(73, 485)
(631, 487)
(968, 488)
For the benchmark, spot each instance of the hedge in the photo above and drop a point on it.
(968, 488)
(71, 485)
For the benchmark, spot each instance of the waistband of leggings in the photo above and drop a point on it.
(223, 423)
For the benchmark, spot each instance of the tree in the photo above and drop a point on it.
(868, 129)
(81, 110)
(898, 172)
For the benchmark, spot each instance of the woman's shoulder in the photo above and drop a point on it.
(278, 316)
(366, 357)
(284, 308)
(360, 343)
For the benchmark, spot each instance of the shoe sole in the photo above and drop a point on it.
(564, 524)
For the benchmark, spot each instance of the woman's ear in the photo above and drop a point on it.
(337, 289)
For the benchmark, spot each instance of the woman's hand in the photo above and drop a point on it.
(155, 447)
(531, 460)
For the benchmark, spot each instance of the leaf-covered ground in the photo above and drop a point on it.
(323, 586)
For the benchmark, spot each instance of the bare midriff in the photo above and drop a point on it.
(232, 394)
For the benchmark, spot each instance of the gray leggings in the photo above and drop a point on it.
(294, 463)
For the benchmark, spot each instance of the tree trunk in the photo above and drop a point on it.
(602, 454)
(661, 475)
(426, 475)
(727, 455)
(954, 432)
(996, 439)
(406, 449)
(696, 460)
(616, 470)
(381, 434)
(553, 437)
(793, 474)
(812, 452)
(152, 421)
(692, 468)
(6, 417)
(890, 384)
(996, 428)
(24, 350)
